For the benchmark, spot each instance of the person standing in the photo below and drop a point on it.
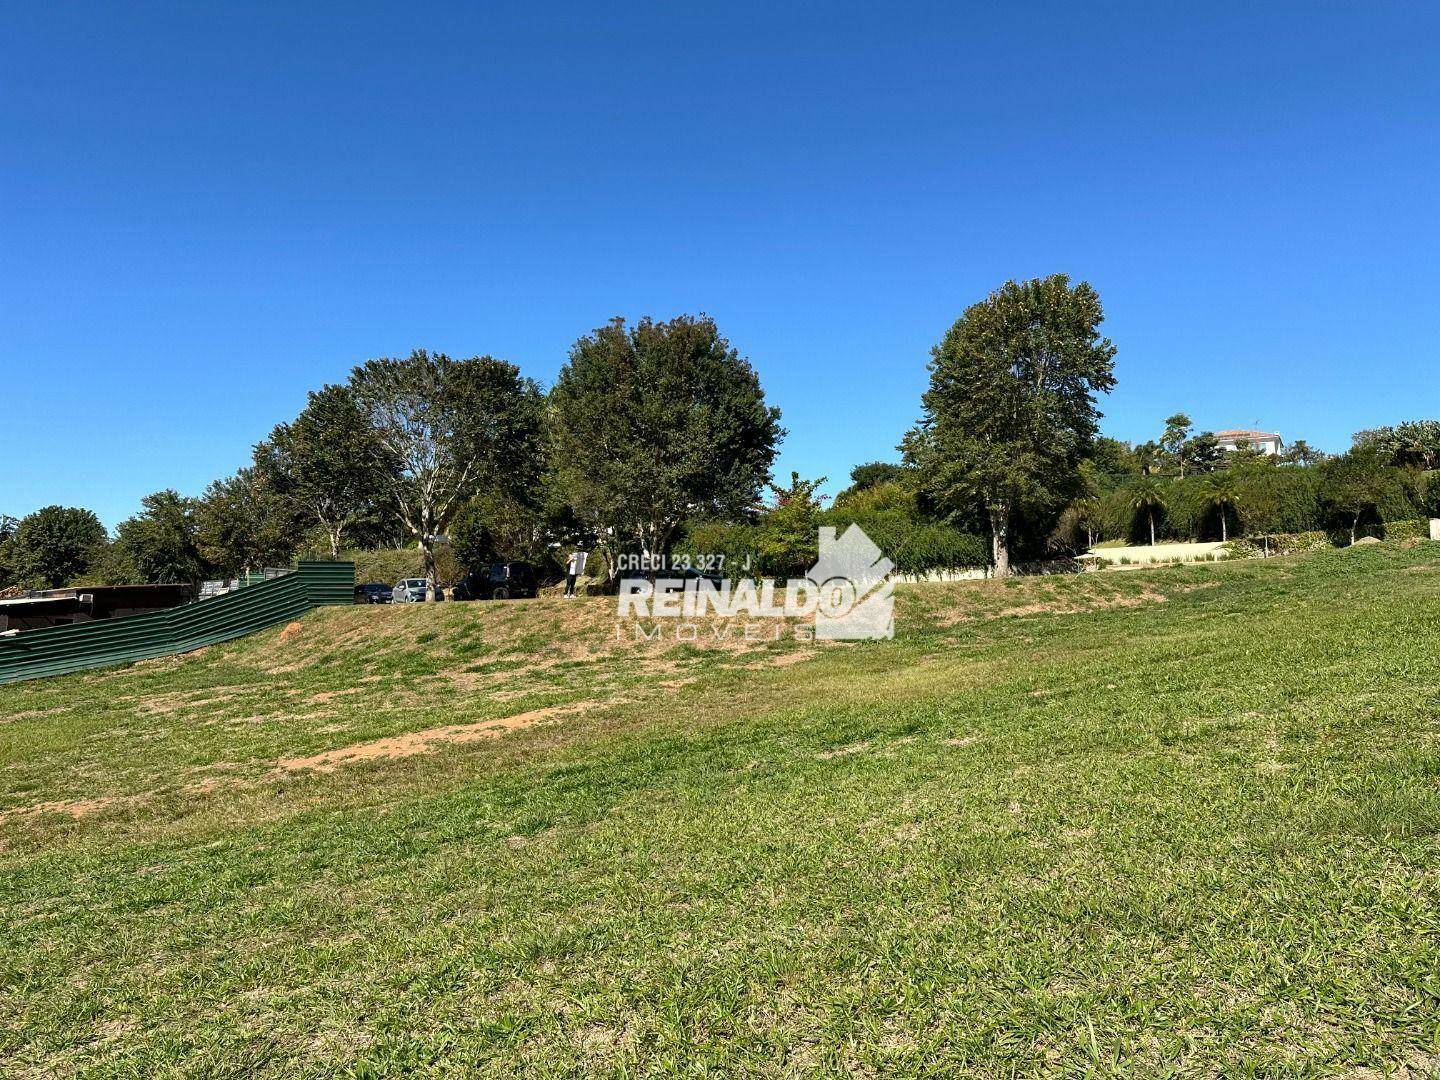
(573, 569)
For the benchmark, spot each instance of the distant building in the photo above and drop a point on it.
(1267, 442)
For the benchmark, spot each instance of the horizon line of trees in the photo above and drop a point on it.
(657, 437)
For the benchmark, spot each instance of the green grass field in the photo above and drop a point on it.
(1163, 822)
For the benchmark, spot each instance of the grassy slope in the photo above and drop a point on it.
(1175, 820)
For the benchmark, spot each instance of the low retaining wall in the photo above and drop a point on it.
(55, 650)
(1140, 554)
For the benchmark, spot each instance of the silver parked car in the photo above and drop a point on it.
(410, 591)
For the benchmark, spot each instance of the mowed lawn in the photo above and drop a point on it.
(1162, 822)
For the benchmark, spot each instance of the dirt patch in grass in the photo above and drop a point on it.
(30, 714)
(421, 742)
(1069, 606)
(791, 658)
(330, 695)
(1074, 604)
(163, 704)
(843, 751)
(76, 808)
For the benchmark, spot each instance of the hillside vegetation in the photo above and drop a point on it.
(1158, 822)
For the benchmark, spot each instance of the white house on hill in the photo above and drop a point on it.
(1267, 442)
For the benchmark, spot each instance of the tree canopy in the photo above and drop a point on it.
(1011, 408)
(447, 429)
(1353, 485)
(53, 545)
(241, 525)
(327, 464)
(1413, 444)
(160, 545)
(657, 424)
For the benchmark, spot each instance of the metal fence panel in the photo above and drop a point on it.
(56, 650)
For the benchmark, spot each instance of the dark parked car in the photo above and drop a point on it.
(373, 593)
(503, 581)
(699, 575)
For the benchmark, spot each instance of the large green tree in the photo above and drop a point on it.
(873, 474)
(499, 527)
(241, 525)
(328, 464)
(1352, 485)
(1201, 454)
(54, 545)
(161, 544)
(657, 424)
(1010, 412)
(8, 573)
(1261, 501)
(448, 429)
(1301, 452)
(1112, 458)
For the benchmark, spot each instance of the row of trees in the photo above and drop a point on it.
(1009, 434)
(657, 437)
(1341, 496)
(233, 528)
(1181, 452)
(649, 428)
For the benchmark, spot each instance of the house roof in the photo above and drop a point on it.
(1245, 433)
(116, 595)
(36, 601)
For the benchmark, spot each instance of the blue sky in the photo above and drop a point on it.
(207, 210)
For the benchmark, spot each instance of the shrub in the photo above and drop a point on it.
(914, 544)
(738, 544)
(1430, 493)
(939, 547)
(389, 565)
(1418, 529)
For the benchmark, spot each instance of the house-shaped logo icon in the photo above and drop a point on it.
(856, 594)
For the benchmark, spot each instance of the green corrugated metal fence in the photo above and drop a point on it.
(55, 650)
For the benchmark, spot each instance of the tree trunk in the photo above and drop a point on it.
(1224, 532)
(428, 550)
(1152, 528)
(1353, 526)
(1000, 539)
(335, 532)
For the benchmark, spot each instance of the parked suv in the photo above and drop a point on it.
(374, 593)
(502, 581)
(410, 591)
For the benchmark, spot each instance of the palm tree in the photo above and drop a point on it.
(1222, 493)
(1146, 496)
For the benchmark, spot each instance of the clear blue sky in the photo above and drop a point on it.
(206, 210)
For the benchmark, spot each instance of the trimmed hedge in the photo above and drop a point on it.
(1418, 529)
(1281, 544)
(914, 544)
(1293, 493)
(1297, 543)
